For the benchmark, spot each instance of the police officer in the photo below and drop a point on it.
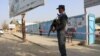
(62, 17)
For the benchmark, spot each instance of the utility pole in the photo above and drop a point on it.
(23, 27)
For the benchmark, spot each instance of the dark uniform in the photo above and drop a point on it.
(40, 30)
(61, 33)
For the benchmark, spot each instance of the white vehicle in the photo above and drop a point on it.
(1, 31)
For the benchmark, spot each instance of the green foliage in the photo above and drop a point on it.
(14, 22)
(5, 25)
(97, 20)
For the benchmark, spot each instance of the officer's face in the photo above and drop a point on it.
(61, 10)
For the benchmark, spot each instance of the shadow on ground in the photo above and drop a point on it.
(15, 47)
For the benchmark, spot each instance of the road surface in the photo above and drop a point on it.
(11, 45)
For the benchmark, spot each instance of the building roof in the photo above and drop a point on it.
(29, 23)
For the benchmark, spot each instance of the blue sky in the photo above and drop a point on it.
(48, 11)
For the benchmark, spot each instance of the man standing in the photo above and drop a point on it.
(62, 18)
(40, 29)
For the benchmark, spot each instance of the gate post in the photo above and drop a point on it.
(91, 29)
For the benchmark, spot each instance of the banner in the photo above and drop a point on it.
(79, 24)
(21, 6)
(90, 3)
(77, 21)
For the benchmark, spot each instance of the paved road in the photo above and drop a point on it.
(36, 45)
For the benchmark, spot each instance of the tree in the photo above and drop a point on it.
(14, 22)
(5, 25)
(17, 24)
(97, 20)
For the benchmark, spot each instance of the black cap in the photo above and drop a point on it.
(61, 7)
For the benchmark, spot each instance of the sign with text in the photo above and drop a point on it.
(12, 26)
(21, 6)
(90, 3)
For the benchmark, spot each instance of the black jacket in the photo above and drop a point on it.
(63, 19)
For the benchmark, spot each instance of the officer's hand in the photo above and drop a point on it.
(53, 29)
